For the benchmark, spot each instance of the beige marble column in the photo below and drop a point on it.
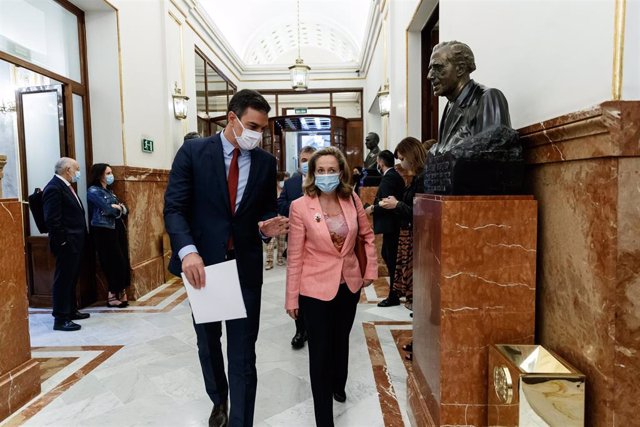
(19, 373)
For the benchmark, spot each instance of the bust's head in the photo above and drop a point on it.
(450, 66)
(372, 140)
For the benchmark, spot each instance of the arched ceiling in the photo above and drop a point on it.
(265, 32)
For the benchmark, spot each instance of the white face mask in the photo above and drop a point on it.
(249, 138)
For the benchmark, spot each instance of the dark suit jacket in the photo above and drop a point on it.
(197, 212)
(65, 218)
(477, 108)
(385, 220)
(292, 190)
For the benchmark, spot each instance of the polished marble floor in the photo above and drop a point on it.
(139, 367)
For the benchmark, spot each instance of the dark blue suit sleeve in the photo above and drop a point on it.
(178, 200)
(269, 201)
(284, 202)
(52, 207)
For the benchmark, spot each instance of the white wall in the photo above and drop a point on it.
(631, 75)
(104, 87)
(548, 57)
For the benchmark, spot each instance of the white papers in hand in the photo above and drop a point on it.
(221, 298)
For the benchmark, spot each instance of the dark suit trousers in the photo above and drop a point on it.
(328, 326)
(68, 260)
(241, 355)
(389, 254)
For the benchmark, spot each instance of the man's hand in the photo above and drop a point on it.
(293, 313)
(275, 226)
(388, 202)
(366, 283)
(193, 268)
(116, 207)
(369, 210)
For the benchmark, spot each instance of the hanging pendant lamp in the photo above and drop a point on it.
(299, 71)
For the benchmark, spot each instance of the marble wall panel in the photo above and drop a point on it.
(142, 190)
(17, 368)
(584, 170)
(474, 285)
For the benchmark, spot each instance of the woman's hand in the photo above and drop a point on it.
(293, 313)
(366, 283)
(388, 202)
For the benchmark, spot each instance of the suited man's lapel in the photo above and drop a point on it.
(217, 174)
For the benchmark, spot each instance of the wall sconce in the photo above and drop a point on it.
(384, 101)
(179, 103)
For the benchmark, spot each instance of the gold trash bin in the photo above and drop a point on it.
(531, 386)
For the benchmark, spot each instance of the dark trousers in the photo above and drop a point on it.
(328, 326)
(300, 328)
(68, 260)
(389, 254)
(113, 254)
(241, 355)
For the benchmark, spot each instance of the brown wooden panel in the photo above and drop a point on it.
(354, 143)
(42, 265)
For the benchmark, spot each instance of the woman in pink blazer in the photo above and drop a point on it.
(323, 274)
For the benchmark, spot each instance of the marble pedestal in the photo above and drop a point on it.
(19, 373)
(473, 286)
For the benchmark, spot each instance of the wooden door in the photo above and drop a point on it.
(43, 138)
(355, 142)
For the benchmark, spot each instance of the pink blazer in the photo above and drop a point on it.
(314, 265)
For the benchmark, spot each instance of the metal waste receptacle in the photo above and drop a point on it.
(531, 386)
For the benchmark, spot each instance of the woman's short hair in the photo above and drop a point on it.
(96, 173)
(344, 189)
(412, 150)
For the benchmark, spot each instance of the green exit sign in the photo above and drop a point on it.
(301, 111)
(147, 146)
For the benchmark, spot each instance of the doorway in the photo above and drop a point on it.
(430, 37)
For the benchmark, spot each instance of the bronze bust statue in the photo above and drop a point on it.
(477, 151)
(371, 141)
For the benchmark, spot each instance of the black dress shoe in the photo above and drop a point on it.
(65, 325)
(298, 340)
(389, 302)
(79, 316)
(219, 416)
(340, 396)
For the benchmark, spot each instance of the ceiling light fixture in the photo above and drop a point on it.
(299, 71)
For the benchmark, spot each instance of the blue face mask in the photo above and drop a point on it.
(76, 177)
(110, 179)
(304, 168)
(328, 183)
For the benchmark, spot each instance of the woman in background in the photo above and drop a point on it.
(109, 233)
(323, 273)
(281, 240)
(412, 155)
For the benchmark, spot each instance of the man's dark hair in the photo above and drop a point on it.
(248, 98)
(192, 135)
(96, 172)
(307, 149)
(387, 158)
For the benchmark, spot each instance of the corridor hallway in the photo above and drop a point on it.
(139, 366)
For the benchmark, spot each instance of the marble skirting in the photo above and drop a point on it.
(142, 190)
(17, 369)
(584, 170)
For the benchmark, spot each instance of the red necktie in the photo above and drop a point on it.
(232, 186)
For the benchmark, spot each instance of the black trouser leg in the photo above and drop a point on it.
(344, 306)
(68, 261)
(328, 326)
(211, 361)
(300, 328)
(389, 254)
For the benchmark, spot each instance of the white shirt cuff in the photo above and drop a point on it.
(186, 251)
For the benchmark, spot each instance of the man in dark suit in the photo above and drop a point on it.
(65, 219)
(220, 204)
(385, 221)
(293, 190)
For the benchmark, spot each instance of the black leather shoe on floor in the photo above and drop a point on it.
(298, 340)
(79, 316)
(65, 325)
(389, 302)
(219, 416)
(340, 396)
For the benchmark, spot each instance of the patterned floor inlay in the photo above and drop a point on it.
(164, 298)
(61, 368)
